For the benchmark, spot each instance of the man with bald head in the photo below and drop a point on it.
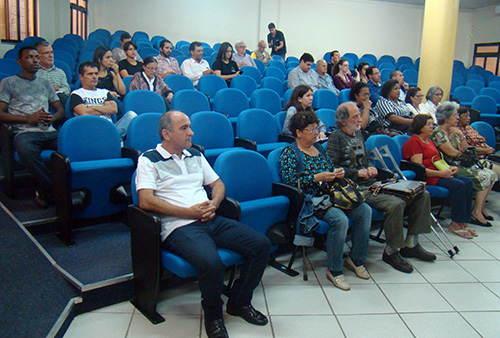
(170, 181)
(346, 148)
(261, 53)
(325, 80)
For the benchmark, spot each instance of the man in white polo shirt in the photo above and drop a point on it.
(195, 67)
(170, 181)
(90, 100)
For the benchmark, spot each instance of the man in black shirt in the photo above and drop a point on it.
(276, 41)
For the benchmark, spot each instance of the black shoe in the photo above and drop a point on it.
(248, 313)
(42, 199)
(474, 220)
(418, 252)
(216, 329)
(397, 262)
(489, 218)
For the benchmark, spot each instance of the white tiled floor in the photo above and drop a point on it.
(447, 298)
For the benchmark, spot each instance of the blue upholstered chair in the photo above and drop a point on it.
(266, 99)
(142, 133)
(275, 72)
(244, 83)
(327, 116)
(260, 126)
(144, 101)
(190, 101)
(89, 163)
(231, 102)
(253, 73)
(325, 98)
(344, 95)
(210, 84)
(465, 95)
(275, 84)
(178, 82)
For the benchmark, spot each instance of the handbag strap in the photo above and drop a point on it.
(298, 153)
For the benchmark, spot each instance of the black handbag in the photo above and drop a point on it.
(405, 189)
(344, 193)
(468, 158)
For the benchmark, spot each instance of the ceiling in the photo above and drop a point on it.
(464, 4)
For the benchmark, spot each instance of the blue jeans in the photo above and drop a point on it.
(197, 243)
(122, 124)
(339, 224)
(461, 193)
(29, 146)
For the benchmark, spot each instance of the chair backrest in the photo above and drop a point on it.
(180, 59)
(140, 34)
(491, 79)
(352, 56)
(86, 138)
(257, 125)
(65, 57)
(401, 140)
(245, 174)
(286, 96)
(327, 116)
(385, 65)
(475, 76)
(464, 94)
(275, 72)
(144, 52)
(485, 130)
(385, 74)
(273, 159)
(244, 83)
(344, 95)
(411, 76)
(495, 84)
(86, 56)
(252, 72)
(66, 46)
(230, 101)
(190, 101)
(181, 43)
(210, 84)
(144, 101)
(387, 59)
(405, 66)
(454, 85)
(325, 98)
(178, 82)
(65, 68)
(212, 130)
(260, 65)
(275, 84)
(477, 85)
(370, 58)
(266, 99)
(404, 60)
(126, 81)
(485, 104)
(10, 66)
(459, 77)
(380, 140)
(155, 40)
(492, 92)
(276, 63)
(185, 50)
(280, 119)
(142, 133)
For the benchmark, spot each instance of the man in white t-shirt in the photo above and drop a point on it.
(90, 100)
(170, 181)
(195, 67)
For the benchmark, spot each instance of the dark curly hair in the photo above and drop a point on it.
(301, 120)
(419, 121)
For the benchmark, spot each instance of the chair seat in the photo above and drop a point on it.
(271, 210)
(45, 156)
(409, 174)
(436, 191)
(180, 267)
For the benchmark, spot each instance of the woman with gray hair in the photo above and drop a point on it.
(452, 143)
(434, 96)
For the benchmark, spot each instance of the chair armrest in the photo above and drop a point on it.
(7, 158)
(245, 143)
(133, 154)
(198, 147)
(61, 176)
(286, 138)
(418, 169)
(296, 200)
(229, 208)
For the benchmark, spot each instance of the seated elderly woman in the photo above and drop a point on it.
(300, 100)
(474, 139)
(420, 149)
(223, 65)
(342, 77)
(109, 75)
(130, 66)
(149, 80)
(414, 99)
(318, 168)
(361, 72)
(451, 141)
(391, 111)
(434, 96)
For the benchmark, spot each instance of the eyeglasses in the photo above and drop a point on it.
(152, 68)
(312, 129)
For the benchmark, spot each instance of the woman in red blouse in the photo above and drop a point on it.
(420, 149)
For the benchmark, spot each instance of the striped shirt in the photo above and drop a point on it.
(56, 77)
(386, 107)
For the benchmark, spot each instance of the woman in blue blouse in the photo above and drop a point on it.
(318, 168)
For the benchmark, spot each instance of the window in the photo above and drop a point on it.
(19, 19)
(487, 55)
(78, 16)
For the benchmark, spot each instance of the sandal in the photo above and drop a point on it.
(472, 231)
(461, 232)
(488, 217)
(474, 220)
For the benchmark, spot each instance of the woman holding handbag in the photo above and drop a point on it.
(452, 143)
(317, 168)
(420, 149)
